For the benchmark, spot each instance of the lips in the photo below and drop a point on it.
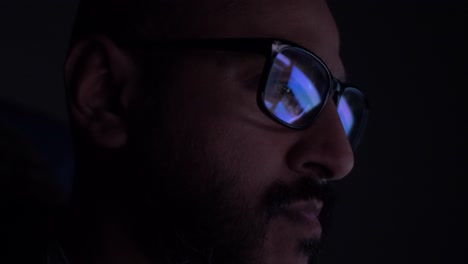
(304, 212)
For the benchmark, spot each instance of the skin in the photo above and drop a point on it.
(205, 167)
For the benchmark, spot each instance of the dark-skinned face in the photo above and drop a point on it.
(220, 179)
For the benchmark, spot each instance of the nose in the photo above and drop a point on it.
(322, 150)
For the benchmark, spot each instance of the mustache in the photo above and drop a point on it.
(281, 194)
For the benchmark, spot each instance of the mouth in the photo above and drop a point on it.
(305, 214)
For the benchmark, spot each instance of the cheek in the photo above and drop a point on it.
(249, 156)
(221, 128)
(217, 150)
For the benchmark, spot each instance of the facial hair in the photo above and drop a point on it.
(192, 209)
(189, 208)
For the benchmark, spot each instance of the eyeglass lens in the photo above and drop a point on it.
(352, 109)
(297, 88)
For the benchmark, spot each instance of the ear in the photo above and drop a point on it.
(100, 78)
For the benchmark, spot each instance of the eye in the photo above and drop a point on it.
(290, 101)
(282, 95)
(285, 88)
(275, 93)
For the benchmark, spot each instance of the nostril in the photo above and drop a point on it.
(324, 172)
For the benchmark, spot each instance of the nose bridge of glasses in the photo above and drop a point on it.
(336, 90)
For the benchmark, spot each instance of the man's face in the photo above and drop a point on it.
(232, 183)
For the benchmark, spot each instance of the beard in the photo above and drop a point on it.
(188, 205)
(191, 209)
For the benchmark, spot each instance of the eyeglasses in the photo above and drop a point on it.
(295, 85)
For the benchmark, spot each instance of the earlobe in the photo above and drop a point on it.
(97, 81)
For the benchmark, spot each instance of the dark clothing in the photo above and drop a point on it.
(28, 204)
(36, 164)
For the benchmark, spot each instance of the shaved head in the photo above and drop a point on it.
(124, 19)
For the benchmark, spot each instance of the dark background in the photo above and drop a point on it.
(405, 202)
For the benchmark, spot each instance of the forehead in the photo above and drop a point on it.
(306, 22)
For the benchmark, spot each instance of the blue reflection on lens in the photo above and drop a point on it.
(283, 59)
(299, 97)
(346, 115)
(284, 114)
(304, 90)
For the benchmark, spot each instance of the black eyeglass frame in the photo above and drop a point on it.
(270, 47)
